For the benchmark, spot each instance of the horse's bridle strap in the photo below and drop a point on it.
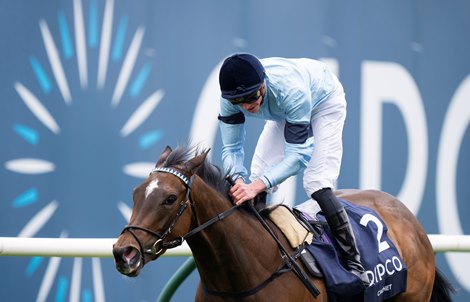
(219, 217)
(183, 206)
(160, 237)
(211, 221)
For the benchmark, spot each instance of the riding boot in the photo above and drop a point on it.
(260, 201)
(338, 221)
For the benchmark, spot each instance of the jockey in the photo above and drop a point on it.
(304, 106)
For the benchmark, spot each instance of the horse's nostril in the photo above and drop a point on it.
(127, 260)
(125, 254)
(129, 253)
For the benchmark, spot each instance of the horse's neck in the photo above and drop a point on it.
(236, 246)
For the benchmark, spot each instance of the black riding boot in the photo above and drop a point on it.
(339, 224)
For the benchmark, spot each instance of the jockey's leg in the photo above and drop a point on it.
(339, 224)
(322, 172)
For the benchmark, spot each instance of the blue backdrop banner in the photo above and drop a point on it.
(91, 92)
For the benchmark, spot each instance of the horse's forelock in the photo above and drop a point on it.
(179, 156)
(210, 173)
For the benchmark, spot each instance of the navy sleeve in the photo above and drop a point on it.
(297, 133)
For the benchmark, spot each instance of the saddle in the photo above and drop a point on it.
(308, 233)
(298, 231)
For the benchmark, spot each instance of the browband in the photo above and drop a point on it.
(178, 174)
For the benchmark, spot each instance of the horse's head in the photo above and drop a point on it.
(159, 215)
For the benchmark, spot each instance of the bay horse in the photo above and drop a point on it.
(186, 198)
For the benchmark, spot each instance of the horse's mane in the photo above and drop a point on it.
(210, 173)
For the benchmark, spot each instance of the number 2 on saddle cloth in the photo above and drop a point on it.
(379, 256)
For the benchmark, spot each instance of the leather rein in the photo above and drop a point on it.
(159, 246)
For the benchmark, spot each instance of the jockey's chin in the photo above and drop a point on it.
(252, 108)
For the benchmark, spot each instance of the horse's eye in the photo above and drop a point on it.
(170, 200)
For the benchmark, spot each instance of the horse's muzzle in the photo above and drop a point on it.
(128, 260)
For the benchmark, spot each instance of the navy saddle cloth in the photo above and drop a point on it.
(379, 256)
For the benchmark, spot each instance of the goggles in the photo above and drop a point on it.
(246, 99)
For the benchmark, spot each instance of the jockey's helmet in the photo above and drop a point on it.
(241, 75)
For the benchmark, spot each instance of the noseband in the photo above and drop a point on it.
(158, 246)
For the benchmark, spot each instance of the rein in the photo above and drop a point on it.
(288, 258)
(290, 262)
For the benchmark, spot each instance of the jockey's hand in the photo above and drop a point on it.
(242, 192)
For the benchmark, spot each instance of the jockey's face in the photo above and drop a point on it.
(253, 107)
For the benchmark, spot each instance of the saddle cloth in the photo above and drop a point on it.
(379, 256)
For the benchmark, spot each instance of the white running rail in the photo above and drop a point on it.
(68, 247)
(102, 247)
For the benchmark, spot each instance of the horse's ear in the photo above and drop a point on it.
(193, 164)
(163, 156)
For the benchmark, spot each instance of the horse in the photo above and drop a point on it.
(186, 198)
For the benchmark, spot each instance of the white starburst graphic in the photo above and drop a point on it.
(95, 51)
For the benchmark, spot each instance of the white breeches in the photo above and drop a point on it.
(323, 169)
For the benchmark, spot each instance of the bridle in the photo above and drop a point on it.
(160, 245)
